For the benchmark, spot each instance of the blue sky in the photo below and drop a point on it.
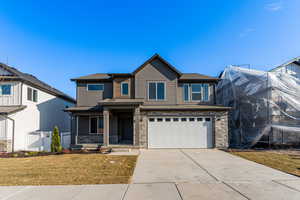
(58, 40)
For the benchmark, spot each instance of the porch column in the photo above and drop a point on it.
(136, 126)
(77, 125)
(106, 114)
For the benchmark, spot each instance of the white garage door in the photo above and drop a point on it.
(180, 132)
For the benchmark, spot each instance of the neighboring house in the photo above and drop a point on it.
(265, 105)
(156, 106)
(28, 105)
(291, 67)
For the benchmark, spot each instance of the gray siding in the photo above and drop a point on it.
(156, 71)
(91, 98)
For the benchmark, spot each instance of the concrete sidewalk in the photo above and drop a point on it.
(178, 174)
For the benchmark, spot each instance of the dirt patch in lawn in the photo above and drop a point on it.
(285, 160)
(67, 169)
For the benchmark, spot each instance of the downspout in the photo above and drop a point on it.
(13, 132)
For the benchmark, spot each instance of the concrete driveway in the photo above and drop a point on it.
(209, 174)
(179, 174)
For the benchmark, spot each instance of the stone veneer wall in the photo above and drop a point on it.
(5, 146)
(219, 124)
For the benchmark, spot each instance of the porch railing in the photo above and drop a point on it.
(90, 139)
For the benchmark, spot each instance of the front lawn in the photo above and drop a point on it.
(286, 161)
(67, 169)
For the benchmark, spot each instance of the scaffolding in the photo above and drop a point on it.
(265, 106)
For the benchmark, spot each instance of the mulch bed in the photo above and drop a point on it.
(25, 154)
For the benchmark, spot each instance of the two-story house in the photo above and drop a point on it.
(28, 105)
(156, 106)
(291, 67)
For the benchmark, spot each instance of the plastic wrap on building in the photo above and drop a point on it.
(265, 106)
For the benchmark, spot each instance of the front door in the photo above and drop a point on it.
(126, 130)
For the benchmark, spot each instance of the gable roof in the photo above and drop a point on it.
(156, 56)
(32, 80)
(197, 76)
(97, 76)
(294, 60)
(181, 76)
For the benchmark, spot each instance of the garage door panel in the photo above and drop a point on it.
(190, 133)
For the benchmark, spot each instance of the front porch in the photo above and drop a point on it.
(111, 126)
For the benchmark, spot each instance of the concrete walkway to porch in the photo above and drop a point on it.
(179, 174)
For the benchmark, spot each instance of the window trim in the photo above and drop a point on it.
(122, 94)
(11, 90)
(165, 91)
(87, 87)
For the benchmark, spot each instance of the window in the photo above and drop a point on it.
(124, 89)
(5, 89)
(160, 91)
(196, 92)
(96, 125)
(205, 92)
(156, 91)
(175, 119)
(199, 119)
(32, 94)
(95, 87)
(159, 119)
(207, 119)
(151, 120)
(152, 91)
(183, 119)
(191, 119)
(29, 94)
(168, 119)
(100, 123)
(186, 92)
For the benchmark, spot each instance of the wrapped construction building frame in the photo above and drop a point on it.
(265, 106)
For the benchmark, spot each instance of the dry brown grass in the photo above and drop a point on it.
(67, 169)
(285, 162)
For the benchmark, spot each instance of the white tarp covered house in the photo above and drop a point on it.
(265, 105)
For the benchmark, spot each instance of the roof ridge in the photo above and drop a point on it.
(30, 78)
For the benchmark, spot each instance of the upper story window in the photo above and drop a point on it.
(156, 91)
(196, 92)
(32, 94)
(186, 92)
(5, 89)
(124, 89)
(95, 87)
